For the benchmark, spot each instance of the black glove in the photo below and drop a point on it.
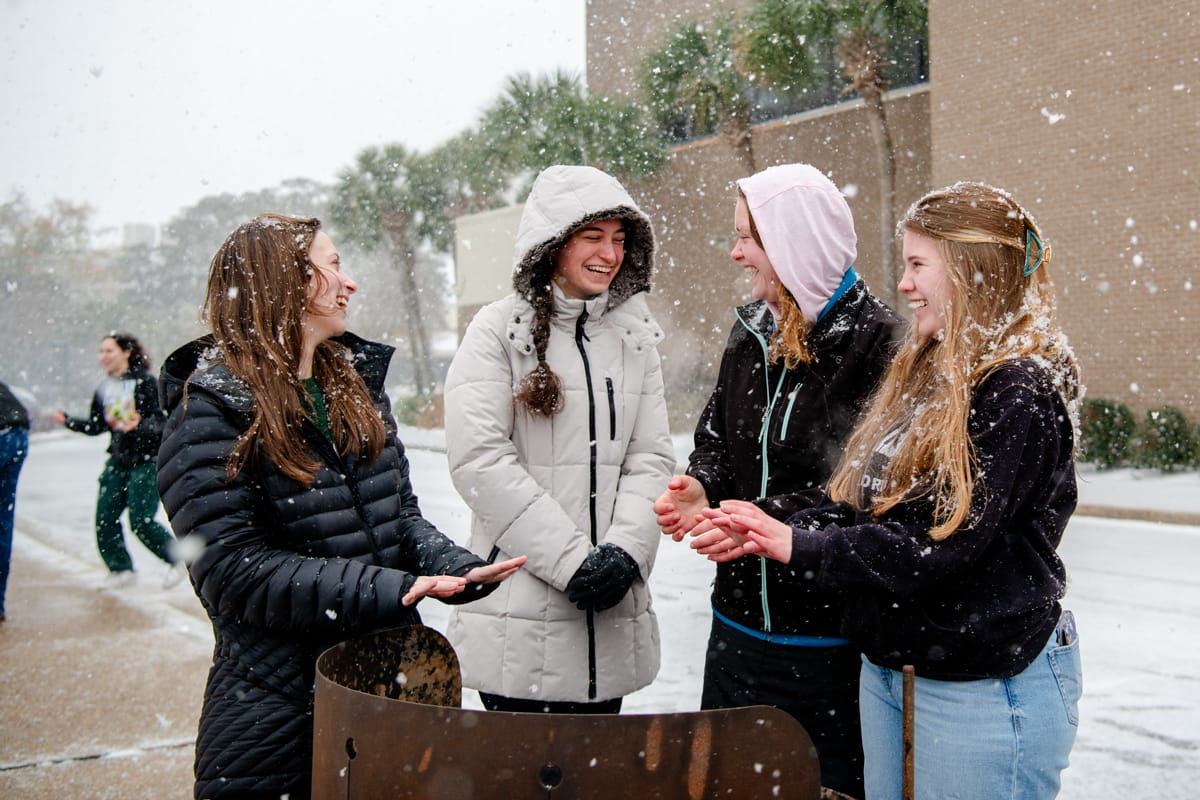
(603, 578)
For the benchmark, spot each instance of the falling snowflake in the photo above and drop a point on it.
(1052, 117)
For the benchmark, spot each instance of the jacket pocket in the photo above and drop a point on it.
(612, 409)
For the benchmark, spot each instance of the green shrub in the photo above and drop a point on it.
(1168, 442)
(1106, 430)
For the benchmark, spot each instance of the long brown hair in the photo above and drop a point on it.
(258, 289)
(789, 342)
(540, 391)
(1000, 310)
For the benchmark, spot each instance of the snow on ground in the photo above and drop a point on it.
(1134, 589)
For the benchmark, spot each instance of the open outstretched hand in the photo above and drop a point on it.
(677, 510)
(450, 585)
(494, 573)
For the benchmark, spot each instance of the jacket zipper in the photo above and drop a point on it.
(787, 415)
(612, 410)
(764, 440)
(580, 336)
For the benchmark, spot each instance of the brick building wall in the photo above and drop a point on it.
(691, 199)
(620, 31)
(1089, 112)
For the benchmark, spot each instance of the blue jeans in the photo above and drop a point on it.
(974, 740)
(14, 445)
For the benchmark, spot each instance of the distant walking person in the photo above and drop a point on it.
(126, 406)
(14, 444)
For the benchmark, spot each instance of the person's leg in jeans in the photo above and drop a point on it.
(142, 497)
(14, 445)
(997, 738)
(879, 706)
(110, 503)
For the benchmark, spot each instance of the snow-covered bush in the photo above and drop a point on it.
(1168, 442)
(1107, 430)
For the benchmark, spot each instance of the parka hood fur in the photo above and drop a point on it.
(806, 229)
(563, 199)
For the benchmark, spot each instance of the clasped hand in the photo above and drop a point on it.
(450, 585)
(734, 529)
(737, 528)
(602, 579)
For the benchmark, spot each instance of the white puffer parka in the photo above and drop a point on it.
(528, 478)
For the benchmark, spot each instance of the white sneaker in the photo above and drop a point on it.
(174, 574)
(118, 580)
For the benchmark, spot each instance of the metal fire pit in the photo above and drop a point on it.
(388, 724)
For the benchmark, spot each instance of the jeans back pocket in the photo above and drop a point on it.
(1067, 667)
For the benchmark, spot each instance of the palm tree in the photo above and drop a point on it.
(693, 85)
(548, 119)
(376, 204)
(782, 47)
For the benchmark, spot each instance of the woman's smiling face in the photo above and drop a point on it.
(329, 291)
(926, 284)
(113, 359)
(764, 285)
(591, 258)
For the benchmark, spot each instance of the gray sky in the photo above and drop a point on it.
(142, 107)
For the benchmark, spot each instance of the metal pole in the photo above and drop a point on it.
(906, 789)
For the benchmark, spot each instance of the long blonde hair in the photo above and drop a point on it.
(1001, 309)
(257, 291)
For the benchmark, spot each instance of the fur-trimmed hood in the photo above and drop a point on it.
(563, 199)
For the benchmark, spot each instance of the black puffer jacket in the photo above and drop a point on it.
(285, 571)
(116, 397)
(807, 414)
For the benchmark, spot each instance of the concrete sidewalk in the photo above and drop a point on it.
(100, 691)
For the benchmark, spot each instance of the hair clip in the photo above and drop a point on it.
(1035, 253)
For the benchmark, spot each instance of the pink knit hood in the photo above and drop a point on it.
(806, 229)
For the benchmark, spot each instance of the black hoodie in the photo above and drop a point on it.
(983, 602)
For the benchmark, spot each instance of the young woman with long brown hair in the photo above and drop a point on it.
(284, 480)
(942, 520)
